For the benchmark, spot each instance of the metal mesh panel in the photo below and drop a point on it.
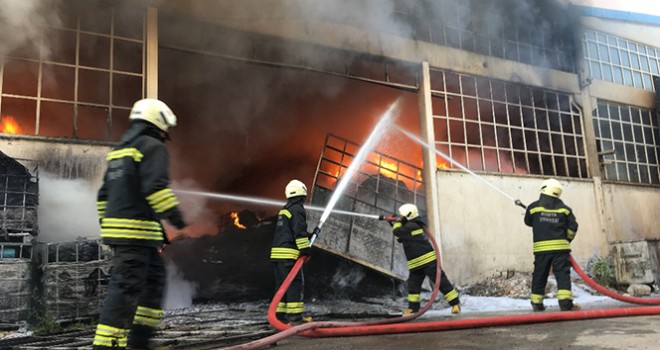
(15, 286)
(380, 186)
(19, 199)
(75, 276)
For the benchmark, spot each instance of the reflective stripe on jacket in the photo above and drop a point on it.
(290, 231)
(419, 251)
(553, 224)
(135, 193)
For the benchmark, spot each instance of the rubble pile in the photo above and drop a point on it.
(509, 283)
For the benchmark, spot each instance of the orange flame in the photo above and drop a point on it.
(237, 223)
(9, 125)
(388, 169)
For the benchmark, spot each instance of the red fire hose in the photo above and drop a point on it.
(396, 325)
(287, 330)
(609, 293)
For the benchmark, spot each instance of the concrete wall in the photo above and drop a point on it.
(631, 212)
(482, 230)
(65, 160)
(70, 175)
(646, 34)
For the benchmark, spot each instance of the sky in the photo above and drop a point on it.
(649, 7)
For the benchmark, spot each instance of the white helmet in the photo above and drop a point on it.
(155, 112)
(295, 188)
(409, 211)
(551, 187)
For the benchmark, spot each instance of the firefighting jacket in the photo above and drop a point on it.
(291, 231)
(419, 252)
(553, 225)
(135, 194)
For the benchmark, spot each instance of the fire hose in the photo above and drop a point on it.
(397, 325)
(287, 330)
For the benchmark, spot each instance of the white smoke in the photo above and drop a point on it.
(179, 293)
(343, 278)
(23, 21)
(67, 209)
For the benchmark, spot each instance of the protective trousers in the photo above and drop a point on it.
(291, 306)
(132, 308)
(561, 267)
(416, 279)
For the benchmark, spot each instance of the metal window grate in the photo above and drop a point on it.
(473, 26)
(47, 92)
(621, 61)
(382, 181)
(627, 139)
(380, 186)
(495, 126)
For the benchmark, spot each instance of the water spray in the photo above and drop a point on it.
(372, 140)
(459, 165)
(266, 201)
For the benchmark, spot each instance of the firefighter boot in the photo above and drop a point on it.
(538, 307)
(456, 309)
(152, 347)
(568, 305)
(298, 320)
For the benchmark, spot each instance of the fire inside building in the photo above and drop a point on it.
(500, 95)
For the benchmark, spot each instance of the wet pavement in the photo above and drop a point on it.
(219, 325)
(638, 332)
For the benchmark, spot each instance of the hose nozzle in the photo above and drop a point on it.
(312, 236)
(388, 217)
(520, 204)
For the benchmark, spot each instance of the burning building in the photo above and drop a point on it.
(514, 91)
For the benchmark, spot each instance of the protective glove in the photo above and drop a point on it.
(175, 218)
(305, 252)
(570, 235)
(388, 217)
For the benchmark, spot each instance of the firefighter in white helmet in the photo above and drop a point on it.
(554, 227)
(291, 241)
(409, 228)
(134, 198)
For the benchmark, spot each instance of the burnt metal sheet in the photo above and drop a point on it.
(366, 241)
(379, 186)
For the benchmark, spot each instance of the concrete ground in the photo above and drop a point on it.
(638, 332)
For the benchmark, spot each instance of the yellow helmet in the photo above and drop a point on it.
(295, 188)
(409, 211)
(552, 188)
(155, 112)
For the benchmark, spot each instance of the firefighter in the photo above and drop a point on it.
(554, 227)
(409, 228)
(291, 241)
(131, 202)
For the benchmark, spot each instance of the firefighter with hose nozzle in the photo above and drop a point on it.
(134, 198)
(554, 227)
(409, 228)
(290, 241)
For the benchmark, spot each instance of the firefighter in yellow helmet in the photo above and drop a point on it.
(131, 203)
(554, 227)
(422, 262)
(290, 241)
